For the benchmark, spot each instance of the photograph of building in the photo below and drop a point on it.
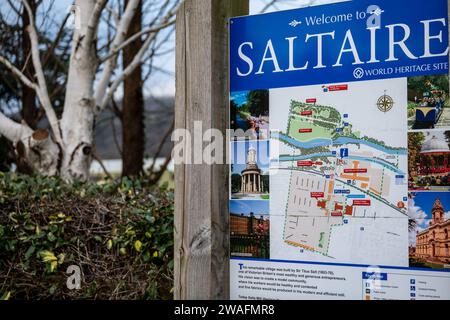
(429, 160)
(429, 229)
(249, 228)
(250, 175)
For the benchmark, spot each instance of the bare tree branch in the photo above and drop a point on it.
(12, 130)
(42, 90)
(54, 44)
(118, 39)
(272, 3)
(268, 5)
(93, 22)
(97, 157)
(15, 9)
(160, 147)
(138, 60)
(22, 77)
(155, 177)
(131, 39)
(114, 133)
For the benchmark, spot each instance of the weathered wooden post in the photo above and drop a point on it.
(201, 190)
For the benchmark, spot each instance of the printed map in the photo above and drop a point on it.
(340, 177)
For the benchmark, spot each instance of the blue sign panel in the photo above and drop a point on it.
(335, 94)
(350, 41)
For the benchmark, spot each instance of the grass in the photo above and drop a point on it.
(424, 264)
(317, 131)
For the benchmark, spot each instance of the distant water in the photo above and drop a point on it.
(114, 166)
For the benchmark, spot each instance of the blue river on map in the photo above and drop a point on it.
(339, 141)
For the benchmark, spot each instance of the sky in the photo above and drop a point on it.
(426, 200)
(258, 207)
(239, 97)
(440, 134)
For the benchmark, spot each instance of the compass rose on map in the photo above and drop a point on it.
(385, 103)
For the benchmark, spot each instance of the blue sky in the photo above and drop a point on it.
(239, 154)
(425, 200)
(239, 97)
(258, 207)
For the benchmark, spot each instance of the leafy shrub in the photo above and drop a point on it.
(120, 234)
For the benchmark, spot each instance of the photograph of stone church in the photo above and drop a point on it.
(429, 214)
(250, 170)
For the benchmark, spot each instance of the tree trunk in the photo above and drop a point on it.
(66, 150)
(133, 135)
(29, 110)
(77, 123)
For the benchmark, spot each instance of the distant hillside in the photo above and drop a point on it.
(159, 114)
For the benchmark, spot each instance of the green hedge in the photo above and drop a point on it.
(120, 234)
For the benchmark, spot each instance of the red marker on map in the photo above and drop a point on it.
(317, 195)
(339, 87)
(306, 130)
(304, 163)
(306, 113)
(311, 100)
(363, 203)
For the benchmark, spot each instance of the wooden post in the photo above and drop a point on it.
(201, 190)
